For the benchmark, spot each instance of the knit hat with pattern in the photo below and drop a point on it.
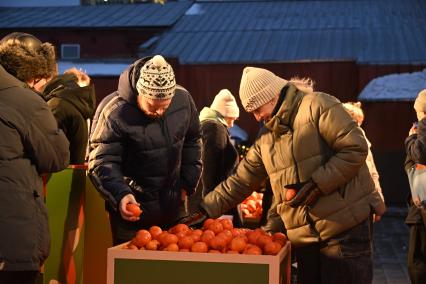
(420, 103)
(259, 86)
(224, 103)
(157, 80)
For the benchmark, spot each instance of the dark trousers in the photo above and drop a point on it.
(18, 277)
(345, 258)
(417, 254)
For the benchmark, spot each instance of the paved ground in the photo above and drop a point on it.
(390, 248)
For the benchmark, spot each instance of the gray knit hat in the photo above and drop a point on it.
(259, 86)
(157, 80)
(420, 103)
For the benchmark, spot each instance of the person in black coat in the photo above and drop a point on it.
(71, 97)
(31, 145)
(219, 155)
(415, 147)
(145, 148)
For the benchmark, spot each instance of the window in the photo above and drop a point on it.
(70, 51)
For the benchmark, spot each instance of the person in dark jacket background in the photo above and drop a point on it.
(219, 156)
(71, 97)
(149, 133)
(415, 147)
(31, 144)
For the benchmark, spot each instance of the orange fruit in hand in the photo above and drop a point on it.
(290, 194)
(136, 211)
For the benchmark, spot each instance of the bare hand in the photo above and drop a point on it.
(125, 214)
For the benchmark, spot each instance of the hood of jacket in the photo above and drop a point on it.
(210, 114)
(128, 80)
(65, 87)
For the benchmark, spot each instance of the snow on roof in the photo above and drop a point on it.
(394, 87)
(99, 69)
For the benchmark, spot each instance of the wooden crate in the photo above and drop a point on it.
(142, 266)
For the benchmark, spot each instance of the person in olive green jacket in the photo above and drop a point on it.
(310, 145)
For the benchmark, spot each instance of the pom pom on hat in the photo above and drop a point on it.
(157, 79)
(259, 86)
(224, 103)
(420, 102)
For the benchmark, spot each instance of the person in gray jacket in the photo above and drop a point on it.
(314, 154)
(30, 145)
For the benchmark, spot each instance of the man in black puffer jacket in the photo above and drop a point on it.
(148, 134)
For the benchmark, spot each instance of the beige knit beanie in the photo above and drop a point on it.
(420, 103)
(259, 86)
(157, 80)
(224, 103)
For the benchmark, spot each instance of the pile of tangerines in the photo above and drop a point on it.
(216, 236)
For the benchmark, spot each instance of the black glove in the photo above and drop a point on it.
(194, 220)
(307, 194)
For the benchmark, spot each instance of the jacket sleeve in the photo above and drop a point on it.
(373, 172)
(45, 143)
(248, 177)
(415, 144)
(191, 152)
(348, 148)
(105, 160)
(214, 143)
(274, 222)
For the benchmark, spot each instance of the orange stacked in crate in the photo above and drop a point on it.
(216, 236)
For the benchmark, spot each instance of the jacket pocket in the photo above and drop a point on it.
(327, 205)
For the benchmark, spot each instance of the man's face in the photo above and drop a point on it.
(153, 108)
(264, 112)
(38, 84)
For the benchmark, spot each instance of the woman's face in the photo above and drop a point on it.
(420, 115)
(230, 121)
(360, 120)
(264, 112)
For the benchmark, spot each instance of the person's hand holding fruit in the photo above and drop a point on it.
(129, 208)
(302, 194)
